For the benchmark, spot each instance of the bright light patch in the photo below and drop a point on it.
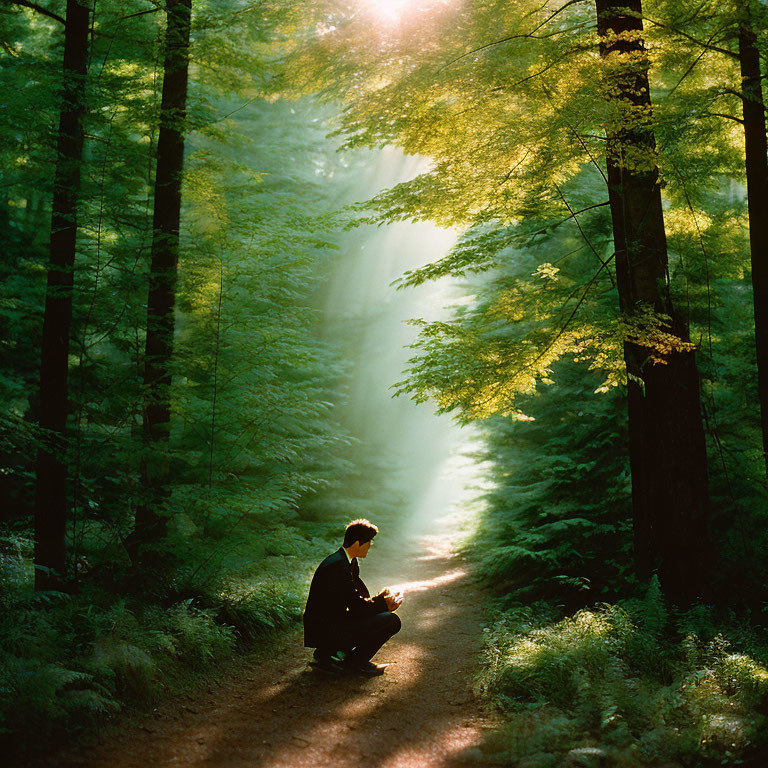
(420, 586)
(390, 10)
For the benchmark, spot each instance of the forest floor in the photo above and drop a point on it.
(277, 713)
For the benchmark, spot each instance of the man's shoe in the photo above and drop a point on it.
(327, 665)
(323, 654)
(366, 668)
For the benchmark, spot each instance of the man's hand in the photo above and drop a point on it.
(393, 601)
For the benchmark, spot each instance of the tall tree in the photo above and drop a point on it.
(756, 166)
(150, 525)
(51, 470)
(666, 438)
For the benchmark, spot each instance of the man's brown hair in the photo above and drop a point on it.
(361, 530)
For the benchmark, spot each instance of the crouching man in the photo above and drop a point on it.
(342, 622)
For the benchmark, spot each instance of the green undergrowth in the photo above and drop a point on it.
(68, 662)
(627, 684)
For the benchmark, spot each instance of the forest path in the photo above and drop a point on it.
(280, 714)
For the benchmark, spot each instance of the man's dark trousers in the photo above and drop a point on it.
(366, 636)
(341, 614)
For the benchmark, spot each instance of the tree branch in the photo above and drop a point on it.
(531, 34)
(139, 13)
(721, 114)
(742, 97)
(40, 9)
(687, 72)
(708, 46)
(581, 230)
(534, 74)
(565, 325)
(417, 276)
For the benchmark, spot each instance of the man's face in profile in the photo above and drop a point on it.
(363, 550)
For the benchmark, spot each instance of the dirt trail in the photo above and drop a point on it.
(280, 714)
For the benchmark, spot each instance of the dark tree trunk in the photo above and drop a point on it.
(51, 486)
(150, 524)
(757, 192)
(666, 437)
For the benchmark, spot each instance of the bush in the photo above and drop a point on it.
(68, 661)
(50, 696)
(620, 679)
(196, 637)
(255, 611)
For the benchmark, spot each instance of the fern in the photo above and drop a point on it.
(609, 678)
(652, 611)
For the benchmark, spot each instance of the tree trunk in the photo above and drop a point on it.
(666, 437)
(51, 486)
(150, 524)
(757, 194)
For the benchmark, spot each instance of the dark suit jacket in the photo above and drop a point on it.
(337, 598)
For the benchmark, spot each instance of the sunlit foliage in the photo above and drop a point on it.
(610, 684)
(510, 101)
